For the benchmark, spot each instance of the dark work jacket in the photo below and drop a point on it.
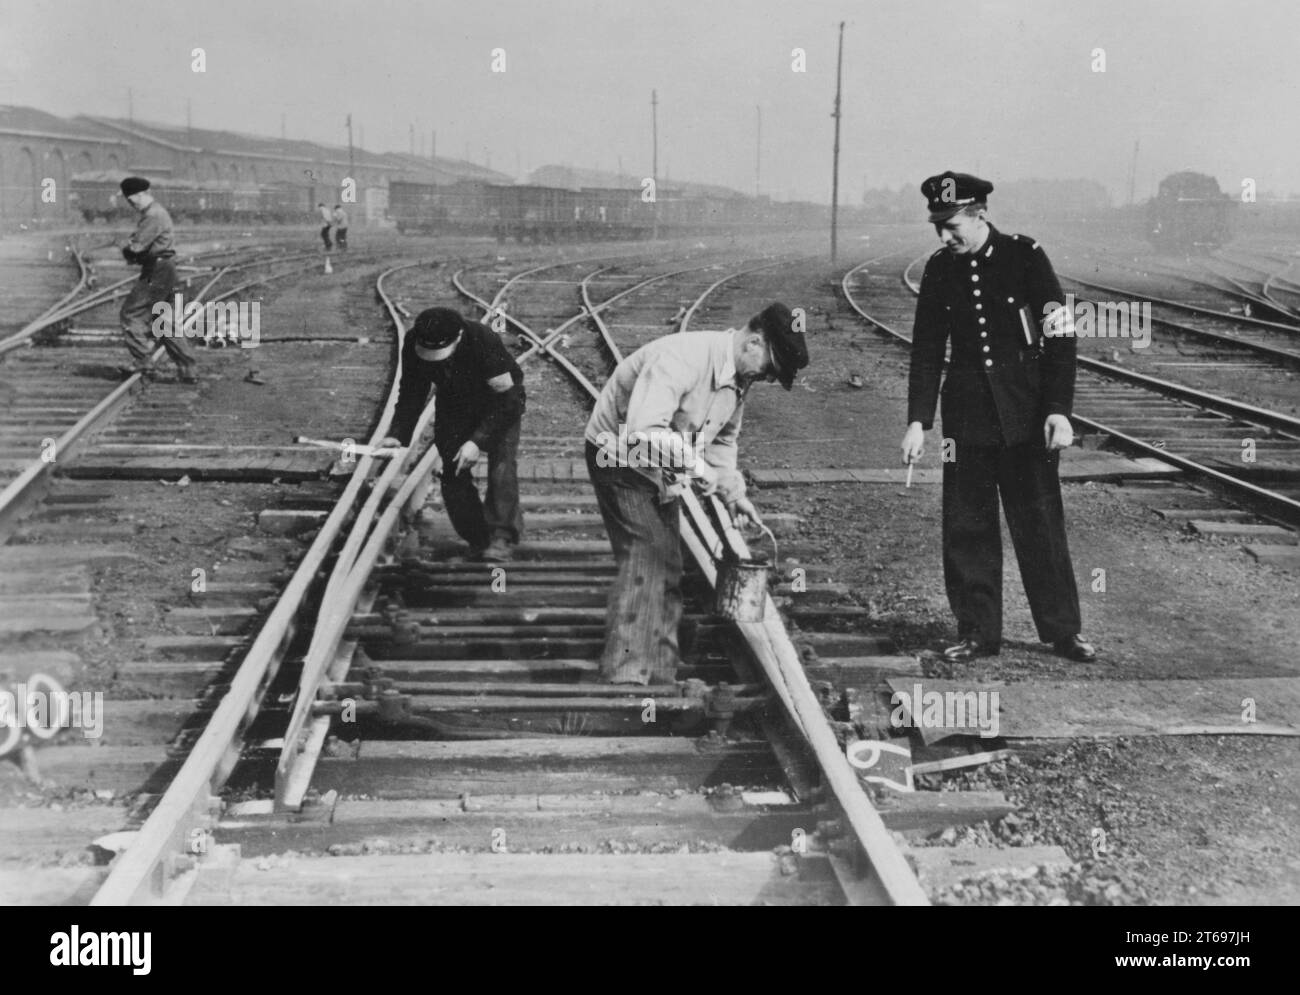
(467, 408)
(1005, 377)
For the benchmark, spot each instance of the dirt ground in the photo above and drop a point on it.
(1189, 820)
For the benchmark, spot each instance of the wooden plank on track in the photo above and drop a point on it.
(1067, 709)
(1085, 466)
(939, 867)
(1280, 556)
(51, 885)
(530, 879)
(530, 822)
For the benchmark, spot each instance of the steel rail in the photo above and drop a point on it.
(1286, 507)
(143, 872)
(1210, 402)
(295, 765)
(892, 879)
(1241, 319)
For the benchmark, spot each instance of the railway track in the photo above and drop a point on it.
(452, 710)
(1203, 434)
(1269, 283)
(56, 401)
(93, 592)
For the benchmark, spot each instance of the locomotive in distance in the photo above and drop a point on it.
(1189, 214)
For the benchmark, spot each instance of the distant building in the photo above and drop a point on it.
(36, 148)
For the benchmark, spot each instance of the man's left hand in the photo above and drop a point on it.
(466, 456)
(743, 512)
(1057, 432)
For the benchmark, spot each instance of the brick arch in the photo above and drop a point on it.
(26, 185)
(56, 168)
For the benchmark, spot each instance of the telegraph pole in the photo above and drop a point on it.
(352, 169)
(758, 149)
(835, 170)
(1133, 172)
(654, 164)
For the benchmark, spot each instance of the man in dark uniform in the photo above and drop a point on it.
(1006, 407)
(480, 403)
(150, 247)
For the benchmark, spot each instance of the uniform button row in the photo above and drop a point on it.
(988, 362)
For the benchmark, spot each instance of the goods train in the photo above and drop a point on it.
(97, 196)
(520, 211)
(547, 214)
(1189, 214)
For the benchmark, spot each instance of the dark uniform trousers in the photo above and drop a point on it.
(645, 603)
(157, 278)
(1026, 477)
(498, 516)
(1005, 377)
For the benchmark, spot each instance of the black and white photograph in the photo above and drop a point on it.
(560, 453)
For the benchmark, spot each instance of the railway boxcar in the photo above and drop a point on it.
(615, 213)
(97, 196)
(463, 208)
(282, 202)
(1189, 214)
(536, 213)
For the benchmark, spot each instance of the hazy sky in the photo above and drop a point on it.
(1003, 86)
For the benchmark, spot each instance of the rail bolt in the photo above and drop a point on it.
(393, 706)
(720, 707)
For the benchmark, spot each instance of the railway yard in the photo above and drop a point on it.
(310, 696)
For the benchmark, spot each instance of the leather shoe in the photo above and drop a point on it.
(497, 551)
(970, 648)
(1075, 648)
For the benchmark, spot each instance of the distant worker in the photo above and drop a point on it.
(480, 405)
(328, 218)
(670, 413)
(150, 247)
(340, 219)
(1006, 407)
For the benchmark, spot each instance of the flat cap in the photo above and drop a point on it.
(949, 192)
(789, 350)
(133, 185)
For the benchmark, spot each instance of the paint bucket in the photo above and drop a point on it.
(740, 593)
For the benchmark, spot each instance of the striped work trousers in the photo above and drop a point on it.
(645, 604)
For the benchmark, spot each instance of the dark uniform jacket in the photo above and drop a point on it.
(1005, 376)
(467, 408)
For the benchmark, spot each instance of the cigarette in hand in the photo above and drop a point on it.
(909, 474)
